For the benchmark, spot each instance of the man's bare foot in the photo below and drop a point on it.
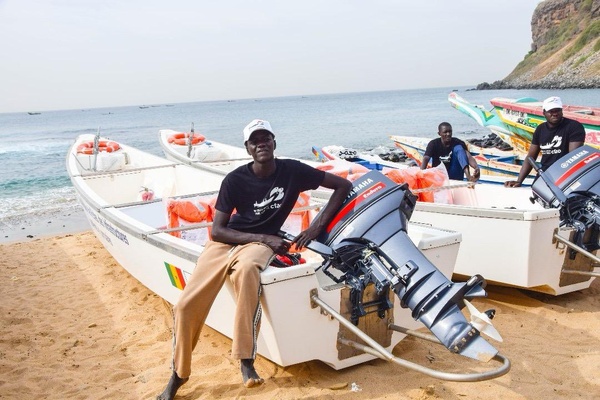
(249, 374)
(172, 387)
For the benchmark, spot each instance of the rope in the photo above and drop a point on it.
(438, 188)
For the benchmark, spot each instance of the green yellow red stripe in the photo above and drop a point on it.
(175, 275)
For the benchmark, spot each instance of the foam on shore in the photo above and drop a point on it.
(62, 222)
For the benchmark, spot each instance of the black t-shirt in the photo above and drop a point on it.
(262, 205)
(554, 142)
(440, 153)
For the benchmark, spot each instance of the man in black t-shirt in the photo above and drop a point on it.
(262, 193)
(553, 138)
(453, 153)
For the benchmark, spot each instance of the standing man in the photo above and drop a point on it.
(453, 153)
(263, 193)
(554, 138)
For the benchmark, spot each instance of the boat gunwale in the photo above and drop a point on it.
(530, 109)
(518, 214)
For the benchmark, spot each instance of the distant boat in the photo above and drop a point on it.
(143, 106)
(33, 113)
(493, 167)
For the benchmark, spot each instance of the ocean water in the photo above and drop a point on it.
(35, 189)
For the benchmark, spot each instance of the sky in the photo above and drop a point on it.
(69, 54)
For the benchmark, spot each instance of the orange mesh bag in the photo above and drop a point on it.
(433, 178)
(400, 176)
(192, 211)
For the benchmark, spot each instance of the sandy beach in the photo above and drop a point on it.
(76, 325)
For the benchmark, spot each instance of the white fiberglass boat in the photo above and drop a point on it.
(307, 307)
(506, 237)
(195, 150)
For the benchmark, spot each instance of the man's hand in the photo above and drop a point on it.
(276, 243)
(512, 184)
(475, 176)
(306, 236)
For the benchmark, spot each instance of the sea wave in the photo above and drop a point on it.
(37, 204)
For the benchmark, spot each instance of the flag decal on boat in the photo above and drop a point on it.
(176, 276)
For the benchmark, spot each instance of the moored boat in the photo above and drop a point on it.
(549, 241)
(515, 120)
(509, 239)
(196, 150)
(371, 160)
(521, 117)
(304, 307)
(490, 119)
(494, 168)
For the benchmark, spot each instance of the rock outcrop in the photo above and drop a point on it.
(565, 52)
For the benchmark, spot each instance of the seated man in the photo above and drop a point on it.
(453, 153)
(263, 192)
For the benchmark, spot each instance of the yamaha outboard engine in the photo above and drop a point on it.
(572, 184)
(369, 244)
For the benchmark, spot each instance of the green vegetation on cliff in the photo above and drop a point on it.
(566, 49)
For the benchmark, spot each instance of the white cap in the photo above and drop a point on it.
(256, 125)
(551, 103)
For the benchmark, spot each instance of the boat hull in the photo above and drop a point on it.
(507, 239)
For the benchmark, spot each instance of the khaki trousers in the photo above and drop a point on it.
(242, 264)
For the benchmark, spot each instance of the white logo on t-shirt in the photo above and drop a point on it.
(555, 143)
(269, 202)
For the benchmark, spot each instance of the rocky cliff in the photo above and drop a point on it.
(565, 52)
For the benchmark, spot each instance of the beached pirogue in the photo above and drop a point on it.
(505, 236)
(365, 285)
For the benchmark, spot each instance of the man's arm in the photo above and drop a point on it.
(221, 233)
(341, 187)
(473, 164)
(574, 145)
(425, 162)
(534, 151)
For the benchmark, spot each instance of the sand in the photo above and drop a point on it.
(75, 325)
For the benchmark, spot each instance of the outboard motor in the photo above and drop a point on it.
(572, 184)
(368, 243)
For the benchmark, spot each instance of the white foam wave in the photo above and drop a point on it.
(43, 203)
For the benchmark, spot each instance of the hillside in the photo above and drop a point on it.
(565, 52)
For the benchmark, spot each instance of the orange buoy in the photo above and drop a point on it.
(103, 146)
(182, 138)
